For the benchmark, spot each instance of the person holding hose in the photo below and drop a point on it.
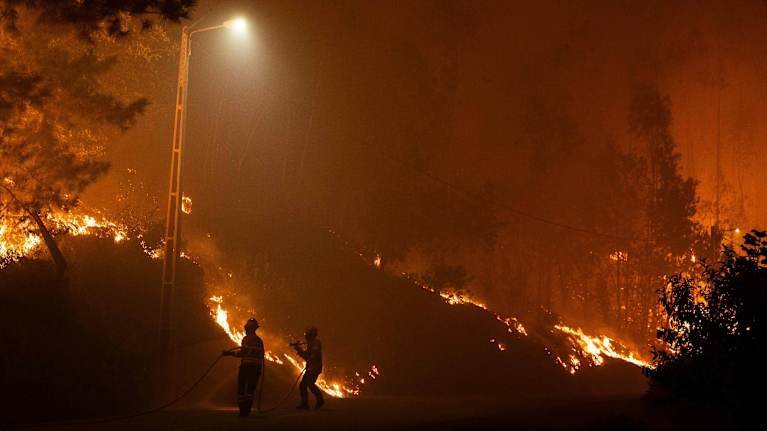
(312, 354)
(251, 354)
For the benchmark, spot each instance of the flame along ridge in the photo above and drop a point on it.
(584, 347)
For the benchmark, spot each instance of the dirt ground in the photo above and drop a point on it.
(401, 413)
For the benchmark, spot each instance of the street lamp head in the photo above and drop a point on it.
(237, 24)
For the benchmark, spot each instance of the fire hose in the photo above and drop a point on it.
(163, 406)
(283, 400)
(261, 388)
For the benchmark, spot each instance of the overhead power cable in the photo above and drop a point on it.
(473, 195)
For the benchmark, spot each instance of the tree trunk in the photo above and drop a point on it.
(50, 243)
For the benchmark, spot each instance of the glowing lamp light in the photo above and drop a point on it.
(737, 230)
(237, 24)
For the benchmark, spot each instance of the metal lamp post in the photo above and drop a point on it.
(172, 215)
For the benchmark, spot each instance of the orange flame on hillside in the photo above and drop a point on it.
(597, 348)
(592, 348)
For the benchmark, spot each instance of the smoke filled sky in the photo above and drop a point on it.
(458, 85)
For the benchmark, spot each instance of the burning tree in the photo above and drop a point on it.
(57, 112)
(713, 342)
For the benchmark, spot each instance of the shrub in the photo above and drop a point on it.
(711, 348)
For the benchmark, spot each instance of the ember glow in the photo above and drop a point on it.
(352, 386)
(619, 256)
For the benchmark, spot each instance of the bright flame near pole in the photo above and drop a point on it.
(222, 318)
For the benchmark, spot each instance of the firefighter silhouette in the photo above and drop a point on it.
(251, 354)
(312, 354)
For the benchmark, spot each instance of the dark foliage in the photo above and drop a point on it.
(714, 339)
(89, 349)
(92, 15)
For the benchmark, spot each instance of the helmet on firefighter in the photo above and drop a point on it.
(311, 332)
(251, 325)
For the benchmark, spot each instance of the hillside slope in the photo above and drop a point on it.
(420, 344)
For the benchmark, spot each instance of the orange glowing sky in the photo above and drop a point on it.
(456, 77)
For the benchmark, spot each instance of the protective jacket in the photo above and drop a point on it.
(252, 351)
(313, 356)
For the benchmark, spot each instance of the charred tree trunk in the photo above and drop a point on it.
(50, 242)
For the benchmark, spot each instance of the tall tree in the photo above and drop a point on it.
(56, 113)
(671, 198)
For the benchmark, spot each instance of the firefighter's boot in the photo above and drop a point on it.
(245, 403)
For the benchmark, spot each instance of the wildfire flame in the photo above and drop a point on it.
(13, 246)
(592, 348)
(222, 318)
(583, 345)
(334, 389)
(17, 241)
(512, 324)
(596, 348)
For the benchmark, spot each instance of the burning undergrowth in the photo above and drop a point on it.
(581, 349)
(19, 242)
(578, 350)
(234, 297)
(371, 321)
(20, 238)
